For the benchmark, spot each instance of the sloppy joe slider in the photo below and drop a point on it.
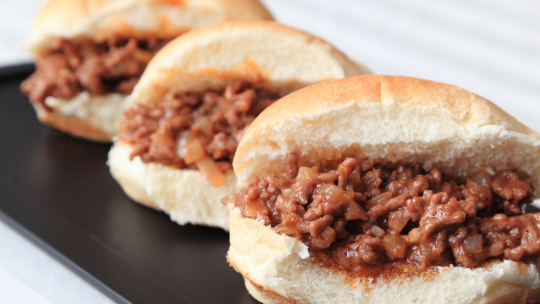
(381, 189)
(90, 54)
(193, 103)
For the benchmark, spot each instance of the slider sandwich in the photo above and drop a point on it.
(382, 189)
(193, 103)
(90, 54)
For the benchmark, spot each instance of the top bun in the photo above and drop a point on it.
(388, 118)
(212, 57)
(98, 19)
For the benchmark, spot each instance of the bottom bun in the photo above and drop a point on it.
(85, 116)
(278, 269)
(73, 126)
(266, 296)
(129, 174)
(184, 194)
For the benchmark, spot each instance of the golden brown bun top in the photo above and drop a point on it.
(98, 19)
(388, 118)
(211, 57)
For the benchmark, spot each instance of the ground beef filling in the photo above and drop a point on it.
(72, 67)
(366, 214)
(196, 130)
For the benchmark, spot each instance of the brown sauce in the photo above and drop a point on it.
(370, 218)
(195, 130)
(74, 66)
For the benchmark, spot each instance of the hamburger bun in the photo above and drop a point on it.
(211, 58)
(388, 119)
(98, 19)
(277, 269)
(94, 117)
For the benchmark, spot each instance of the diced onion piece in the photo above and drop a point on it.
(414, 235)
(425, 250)
(211, 171)
(355, 212)
(500, 216)
(162, 140)
(281, 228)
(251, 210)
(382, 197)
(181, 141)
(482, 178)
(325, 239)
(286, 193)
(206, 125)
(305, 174)
(473, 243)
(395, 246)
(333, 193)
(354, 181)
(328, 177)
(479, 190)
(379, 199)
(480, 257)
(397, 221)
(193, 151)
(377, 231)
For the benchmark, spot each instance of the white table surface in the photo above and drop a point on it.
(491, 47)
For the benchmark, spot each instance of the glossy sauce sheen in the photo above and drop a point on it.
(367, 218)
(195, 130)
(72, 67)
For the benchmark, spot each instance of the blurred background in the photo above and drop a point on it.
(490, 47)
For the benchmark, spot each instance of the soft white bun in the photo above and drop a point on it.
(278, 269)
(213, 57)
(185, 195)
(217, 55)
(98, 19)
(90, 117)
(388, 118)
(94, 119)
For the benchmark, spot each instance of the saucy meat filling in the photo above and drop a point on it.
(74, 66)
(365, 213)
(195, 130)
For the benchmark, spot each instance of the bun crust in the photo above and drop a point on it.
(505, 293)
(277, 269)
(210, 58)
(134, 18)
(388, 118)
(217, 55)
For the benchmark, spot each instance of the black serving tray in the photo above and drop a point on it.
(57, 191)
